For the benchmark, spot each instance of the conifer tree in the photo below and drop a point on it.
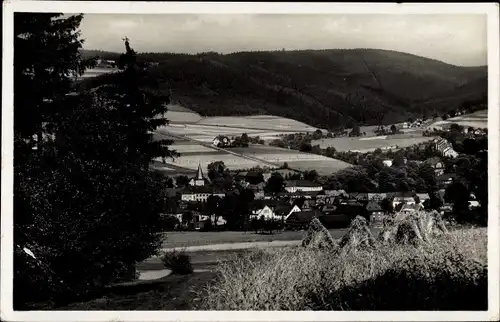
(86, 203)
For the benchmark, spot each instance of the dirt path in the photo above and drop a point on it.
(234, 246)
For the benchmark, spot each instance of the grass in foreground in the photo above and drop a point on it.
(449, 274)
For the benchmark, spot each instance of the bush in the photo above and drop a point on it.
(178, 262)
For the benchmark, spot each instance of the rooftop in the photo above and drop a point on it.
(300, 183)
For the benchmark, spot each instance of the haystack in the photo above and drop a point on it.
(358, 235)
(318, 236)
(413, 228)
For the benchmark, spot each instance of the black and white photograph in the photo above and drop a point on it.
(207, 157)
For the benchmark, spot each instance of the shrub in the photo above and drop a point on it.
(178, 262)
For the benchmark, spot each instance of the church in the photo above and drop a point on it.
(199, 180)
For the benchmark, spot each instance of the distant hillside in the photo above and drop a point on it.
(323, 88)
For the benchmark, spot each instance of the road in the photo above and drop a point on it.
(235, 246)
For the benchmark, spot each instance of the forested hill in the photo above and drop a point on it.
(323, 88)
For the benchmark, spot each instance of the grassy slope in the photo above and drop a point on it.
(318, 87)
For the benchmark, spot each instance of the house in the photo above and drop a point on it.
(377, 196)
(285, 212)
(405, 125)
(199, 180)
(200, 194)
(374, 209)
(221, 141)
(410, 208)
(436, 164)
(336, 193)
(305, 194)
(446, 179)
(301, 219)
(423, 197)
(402, 198)
(446, 208)
(474, 204)
(257, 188)
(449, 152)
(445, 148)
(308, 204)
(387, 163)
(267, 212)
(362, 197)
(301, 185)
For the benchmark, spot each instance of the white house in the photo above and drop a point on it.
(387, 163)
(449, 152)
(473, 204)
(200, 195)
(301, 185)
(267, 212)
(407, 200)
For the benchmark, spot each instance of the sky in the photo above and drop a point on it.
(458, 39)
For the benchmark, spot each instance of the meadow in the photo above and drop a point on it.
(177, 239)
(477, 119)
(367, 144)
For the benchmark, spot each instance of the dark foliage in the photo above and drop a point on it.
(85, 200)
(178, 262)
(297, 84)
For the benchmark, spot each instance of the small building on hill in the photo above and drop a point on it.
(221, 141)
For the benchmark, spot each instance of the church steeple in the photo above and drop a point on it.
(199, 173)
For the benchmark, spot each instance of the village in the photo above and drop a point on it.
(299, 200)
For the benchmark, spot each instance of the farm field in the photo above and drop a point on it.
(193, 154)
(295, 159)
(477, 119)
(268, 122)
(232, 162)
(369, 144)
